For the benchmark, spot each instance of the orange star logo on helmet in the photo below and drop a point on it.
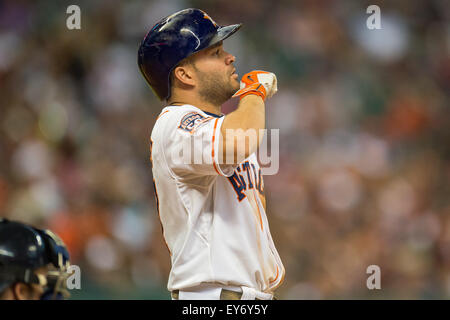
(209, 18)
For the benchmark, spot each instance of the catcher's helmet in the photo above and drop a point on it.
(173, 39)
(23, 249)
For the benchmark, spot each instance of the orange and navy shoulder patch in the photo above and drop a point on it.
(192, 120)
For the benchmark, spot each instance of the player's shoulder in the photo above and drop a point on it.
(184, 118)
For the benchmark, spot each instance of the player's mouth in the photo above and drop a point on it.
(234, 73)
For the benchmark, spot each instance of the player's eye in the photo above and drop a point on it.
(217, 52)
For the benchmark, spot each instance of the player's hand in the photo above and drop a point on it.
(261, 83)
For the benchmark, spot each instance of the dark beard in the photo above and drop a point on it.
(215, 90)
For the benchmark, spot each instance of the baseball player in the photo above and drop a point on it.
(212, 211)
(33, 263)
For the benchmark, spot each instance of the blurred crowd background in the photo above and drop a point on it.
(364, 140)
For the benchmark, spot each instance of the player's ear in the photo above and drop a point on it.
(21, 291)
(184, 75)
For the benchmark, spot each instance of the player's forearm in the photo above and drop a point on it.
(242, 129)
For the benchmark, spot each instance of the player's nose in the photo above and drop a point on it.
(230, 58)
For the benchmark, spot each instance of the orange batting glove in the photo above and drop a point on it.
(261, 83)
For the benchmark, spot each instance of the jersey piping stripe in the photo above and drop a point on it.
(259, 212)
(276, 277)
(161, 115)
(279, 282)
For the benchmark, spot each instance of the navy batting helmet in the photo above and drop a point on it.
(23, 249)
(173, 39)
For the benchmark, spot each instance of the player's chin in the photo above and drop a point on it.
(235, 84)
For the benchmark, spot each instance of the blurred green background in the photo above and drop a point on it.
(364, 140)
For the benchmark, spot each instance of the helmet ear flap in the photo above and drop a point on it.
(6, 279)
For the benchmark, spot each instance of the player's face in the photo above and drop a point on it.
(217, 79)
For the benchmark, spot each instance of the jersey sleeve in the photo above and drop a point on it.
(191, 143)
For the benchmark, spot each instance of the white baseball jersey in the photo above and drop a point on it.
(213, 216)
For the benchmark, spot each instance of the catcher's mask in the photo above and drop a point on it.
(23, 249)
